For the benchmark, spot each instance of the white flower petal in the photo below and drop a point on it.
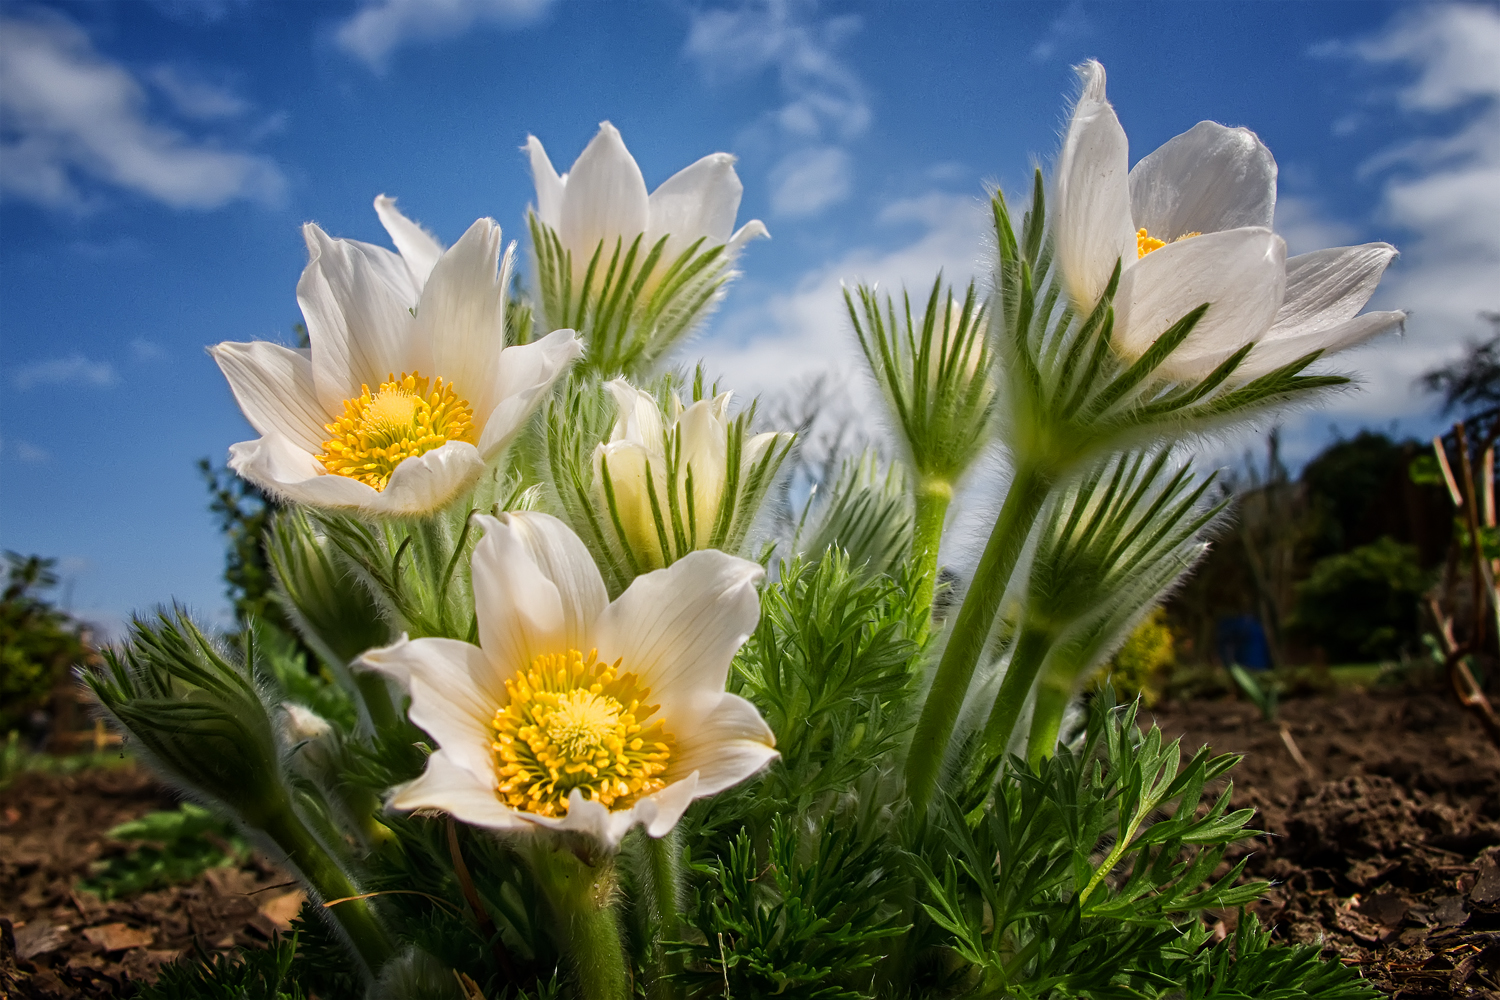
(1092, 216)
(592, 820)
(671, 802)
(549, 187)
(698, 201)
(1240, 273)
(1208, 179)
(281, 468)
(730, 745)
(426, 482)
(359, 328)
(519, 608)
(1276, 351)
(389, 268)
(705, 453)
(456, 790)
(524, 376)
(565, 560)
(637, 418)
(605, 198)
(274, 387)
(419, 248)
(454, 689)
(1328, 287)
(460, 324)
(754, 229)
(678, 628)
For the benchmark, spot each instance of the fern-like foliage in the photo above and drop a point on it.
(254, 974)
(805, 926)
(1084, 877)
(832, 668)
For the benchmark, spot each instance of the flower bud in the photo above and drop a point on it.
(679, 478)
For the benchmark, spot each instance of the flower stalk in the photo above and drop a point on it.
(581, 896)
(971, 629)
(933, 497)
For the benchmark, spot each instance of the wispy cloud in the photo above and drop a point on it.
(1071, 25)
(1441, 189)
(72, 117)
(196, 97)
(28, 452)
(380, 27)
(811, 328)
(74, 369)
(825, 106)
(142, 349)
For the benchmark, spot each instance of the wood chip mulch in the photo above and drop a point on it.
(56, 941)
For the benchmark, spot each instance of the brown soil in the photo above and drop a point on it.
(1383, 840)
(56, 941)
(1385, 845)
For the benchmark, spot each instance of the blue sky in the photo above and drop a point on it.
(157, 158)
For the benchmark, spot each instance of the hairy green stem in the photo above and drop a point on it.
(330, 883)
(971, 629)
(585, 924)
(666, 878)
(1026, 659)
(934, 494)
(377, 701)
(1052, 697)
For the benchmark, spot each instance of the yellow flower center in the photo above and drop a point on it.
(1145, 243)
(574, 722)
(399, 421)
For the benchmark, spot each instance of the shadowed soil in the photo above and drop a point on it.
(1383, 840)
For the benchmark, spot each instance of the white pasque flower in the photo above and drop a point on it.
(407, 389)
(574, 713)
(635, 459)
(1189, 224)
(603, 198)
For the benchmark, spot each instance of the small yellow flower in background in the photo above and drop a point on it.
(1189, 224)
(662, 477)
(407, 389)
(574, 713)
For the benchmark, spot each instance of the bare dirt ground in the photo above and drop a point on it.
(1383, 838)
(56, 941)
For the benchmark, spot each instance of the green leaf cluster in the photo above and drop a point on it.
(254, 974)
(38, 642)
(175, 846)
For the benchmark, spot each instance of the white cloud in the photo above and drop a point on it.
(197, 98)
(809, 327)
(809, 180)
(1442, 191)
(75, 369)
(1071, 24)
(1305, 228)
(27, 452)
(382, 26)
(825, 100)
(68, 113)
(146, 350)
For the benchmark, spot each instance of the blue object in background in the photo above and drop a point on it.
(1241, 639)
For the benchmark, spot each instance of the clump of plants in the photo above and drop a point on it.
(38, 641)
(580, 726)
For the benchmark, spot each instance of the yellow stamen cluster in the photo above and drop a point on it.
(400, 420)
(573, 722)
(1145, 243)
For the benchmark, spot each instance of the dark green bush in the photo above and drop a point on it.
(1362, 604)
(38, 643)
